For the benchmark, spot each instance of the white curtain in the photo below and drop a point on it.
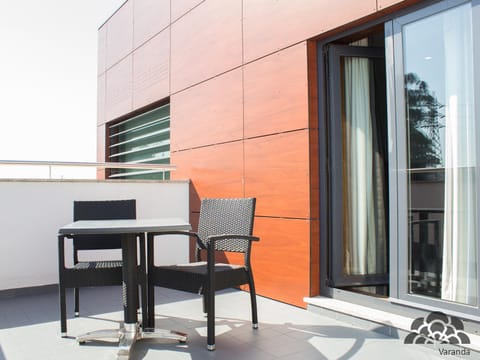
(364, 230)
(459, 267)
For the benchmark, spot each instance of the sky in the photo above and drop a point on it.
(48, 78)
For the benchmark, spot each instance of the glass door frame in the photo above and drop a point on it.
(338, 278)
(398, 173)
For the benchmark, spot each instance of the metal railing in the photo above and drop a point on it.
(50, 165)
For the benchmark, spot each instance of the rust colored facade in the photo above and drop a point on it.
(241, 80)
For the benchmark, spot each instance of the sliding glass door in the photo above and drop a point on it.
(434, 58)
(402, 112)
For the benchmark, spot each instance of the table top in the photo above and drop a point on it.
(84, 227)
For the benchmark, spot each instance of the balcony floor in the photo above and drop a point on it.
(29, 329)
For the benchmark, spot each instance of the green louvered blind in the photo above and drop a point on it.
(144, 139)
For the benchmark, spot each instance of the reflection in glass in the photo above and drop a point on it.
(441, 144)
(426, 121)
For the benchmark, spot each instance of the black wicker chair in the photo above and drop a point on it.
(225, 225)
(96, 273)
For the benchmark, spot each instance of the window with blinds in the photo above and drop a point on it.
(145, 139)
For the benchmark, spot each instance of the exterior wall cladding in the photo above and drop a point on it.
(240, 76)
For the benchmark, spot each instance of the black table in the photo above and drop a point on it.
(131, 330)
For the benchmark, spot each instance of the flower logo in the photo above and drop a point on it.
(437, 328)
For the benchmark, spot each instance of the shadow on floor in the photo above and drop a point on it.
(42, 307)
(285, 332)
(235, 339)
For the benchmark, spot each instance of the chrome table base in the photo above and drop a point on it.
(128, 335)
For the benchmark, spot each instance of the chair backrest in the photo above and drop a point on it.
(227, 216)
(101, 210)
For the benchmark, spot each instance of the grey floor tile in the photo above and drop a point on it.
(285, 332)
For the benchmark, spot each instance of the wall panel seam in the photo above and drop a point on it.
(135, 49)
(242, 139)
(235, 68)
(150, 38)
(184, 14)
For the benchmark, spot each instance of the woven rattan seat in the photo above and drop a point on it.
(92, 265)
(189, 277)
(225, 225)
(96, 273)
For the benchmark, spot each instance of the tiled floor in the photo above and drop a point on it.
(29, 329)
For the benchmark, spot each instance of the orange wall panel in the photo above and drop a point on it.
(119, 96)
(214, 171)
(277, 174)
(276, 92)
(208, 113)
(101, 173)
(270, 25)
(151, 66)
(119, 34)
(101, 143)
(383, 4)
(204, 45)
(281, 259)
(101, 85)
(150, 17)
(386, 3)
(180, 7)
(102, 50)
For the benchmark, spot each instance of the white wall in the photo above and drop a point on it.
(31, 212)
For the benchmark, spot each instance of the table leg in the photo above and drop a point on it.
(131, 331)
(130, 283)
